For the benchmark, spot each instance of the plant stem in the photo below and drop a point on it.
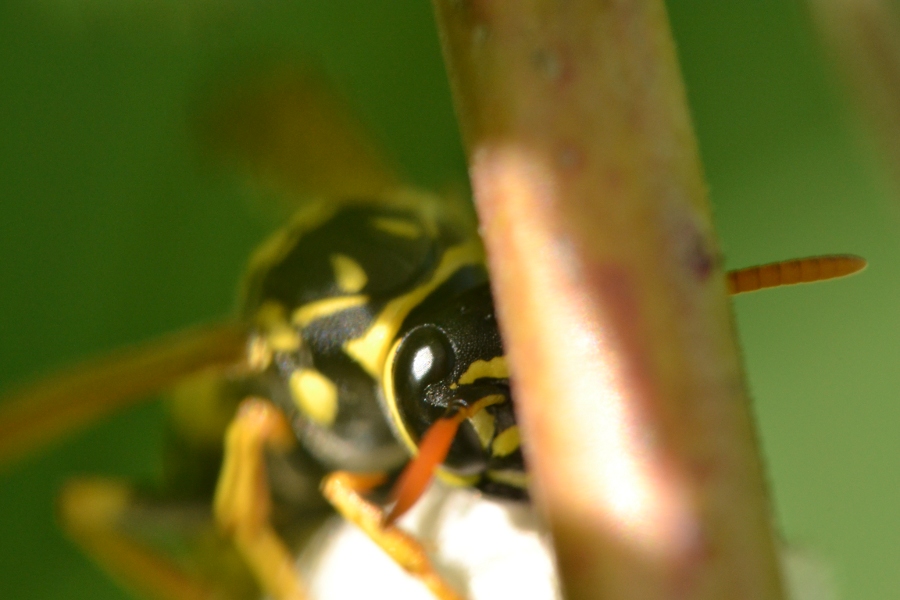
(611, 298)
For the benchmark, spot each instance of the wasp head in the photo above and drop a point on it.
(450, 358)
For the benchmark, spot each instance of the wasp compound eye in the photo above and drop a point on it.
(424, 358)
(424, 388)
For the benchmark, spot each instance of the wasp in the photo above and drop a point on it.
(365, 360)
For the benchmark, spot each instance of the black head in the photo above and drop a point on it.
(450, 356)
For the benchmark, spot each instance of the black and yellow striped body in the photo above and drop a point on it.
(374, 319)
(342, 297)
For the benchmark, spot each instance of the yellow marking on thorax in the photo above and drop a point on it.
(276, 334)
(372, 348)
(495, 368)
(326, 307)
(507, 442)
(348, 273)
(517, 479)
(270, 314)
(397, 227)
(315, 396)
(283, 338)
(279, 244)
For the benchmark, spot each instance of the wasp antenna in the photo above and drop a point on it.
(418, 473)
(788, 272)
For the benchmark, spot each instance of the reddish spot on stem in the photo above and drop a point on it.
(700, 260)
(570, 158)
(553, 63)
(614, 180)
(619, 300)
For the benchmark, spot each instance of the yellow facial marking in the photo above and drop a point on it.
(483, 422)
(483, 403)
(495, 368)
(398, 227)
(326, 307)
(507, 442)
(456, 480)
(349, 275)
(315, 396)
(512, 478)
(372, 348)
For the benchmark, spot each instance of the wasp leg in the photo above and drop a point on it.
(243, 502)
(345, 491)
(106, 518)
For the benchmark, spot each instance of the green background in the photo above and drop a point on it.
(112, 229)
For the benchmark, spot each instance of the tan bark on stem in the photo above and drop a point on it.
(611, 297)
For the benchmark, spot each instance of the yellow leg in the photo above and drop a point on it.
(345, 492)
(243, 503)
(96, 513)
